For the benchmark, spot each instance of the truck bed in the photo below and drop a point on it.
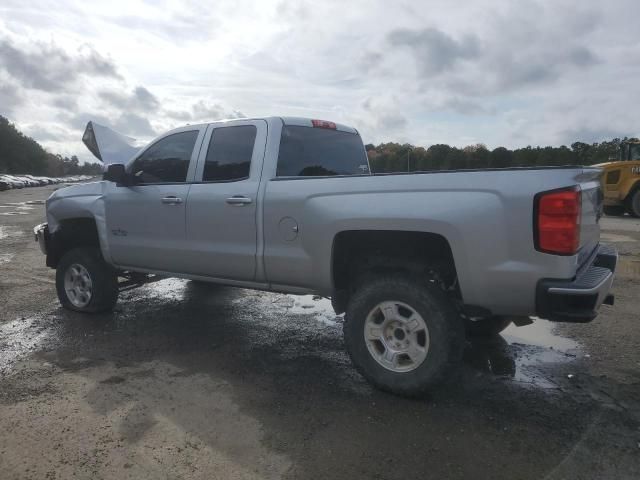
(485, 215)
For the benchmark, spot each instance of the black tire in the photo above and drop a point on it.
(444, 325)
(632, 202)
(613, 211)
(486, 327)
(104, 279)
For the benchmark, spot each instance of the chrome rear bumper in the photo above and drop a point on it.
(578, 300)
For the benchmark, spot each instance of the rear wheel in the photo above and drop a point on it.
(85, 282)
(402, 334)
(486, 327)
(613, 211)
(633, 202)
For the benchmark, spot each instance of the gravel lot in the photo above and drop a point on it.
(185, 380)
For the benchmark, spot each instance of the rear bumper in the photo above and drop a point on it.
(41, 234)
(578, 300)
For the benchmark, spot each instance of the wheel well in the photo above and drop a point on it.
(361, 252)
(72, 233)
(633, 189)
(628, 201)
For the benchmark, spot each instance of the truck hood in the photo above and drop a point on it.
(107, 145)
(80, 190)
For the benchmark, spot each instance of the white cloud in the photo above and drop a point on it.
(501, 73)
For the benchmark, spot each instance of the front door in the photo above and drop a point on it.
(146, 222)
(223, 201)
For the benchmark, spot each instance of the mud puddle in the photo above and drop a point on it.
(518, 354)
(7, 231)
(19, 338)
(540, 334)
(537, 345)
(319, 307)
(15, 208)
(19, 208)
(6, 257)
(308, 323)
(21, 205)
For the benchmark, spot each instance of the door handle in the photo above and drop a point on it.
(239, 200)
(171, 200)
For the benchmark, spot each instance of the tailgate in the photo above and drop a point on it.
(589, 181)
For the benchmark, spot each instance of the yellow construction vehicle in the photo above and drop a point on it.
(621, 181)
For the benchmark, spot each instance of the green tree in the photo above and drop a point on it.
(20, 154)
(501, 157)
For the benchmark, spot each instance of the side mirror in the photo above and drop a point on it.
(116, 173)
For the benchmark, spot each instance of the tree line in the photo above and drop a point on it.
(395, 157)
(20, 154)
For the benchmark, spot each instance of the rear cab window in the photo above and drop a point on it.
(229, 154)
(320, 152)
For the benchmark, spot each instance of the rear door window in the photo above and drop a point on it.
(229, 154)
(312, 152)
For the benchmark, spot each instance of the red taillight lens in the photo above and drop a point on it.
(558, 221)
(323, 124)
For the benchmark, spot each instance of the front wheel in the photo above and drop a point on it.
(633, 203)
(402, 334)
(85, 282)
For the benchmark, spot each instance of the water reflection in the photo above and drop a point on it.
(180, 316)
(540, 333)
(491, 355)
(515, 354)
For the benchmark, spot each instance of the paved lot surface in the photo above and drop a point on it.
(192, 381)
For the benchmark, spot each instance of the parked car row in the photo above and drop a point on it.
(8, 182)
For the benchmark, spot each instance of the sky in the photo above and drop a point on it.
(502, 73)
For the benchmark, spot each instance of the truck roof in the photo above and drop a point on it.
(295, 121)
(104, 142)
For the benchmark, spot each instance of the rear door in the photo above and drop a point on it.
(146, 222)
(222, 207)
(315, 160)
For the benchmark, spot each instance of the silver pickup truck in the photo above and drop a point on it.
(415, 261)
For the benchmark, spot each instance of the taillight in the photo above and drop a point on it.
(323, 124)
(558, 221)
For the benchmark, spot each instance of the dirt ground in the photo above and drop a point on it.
(192, 381)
